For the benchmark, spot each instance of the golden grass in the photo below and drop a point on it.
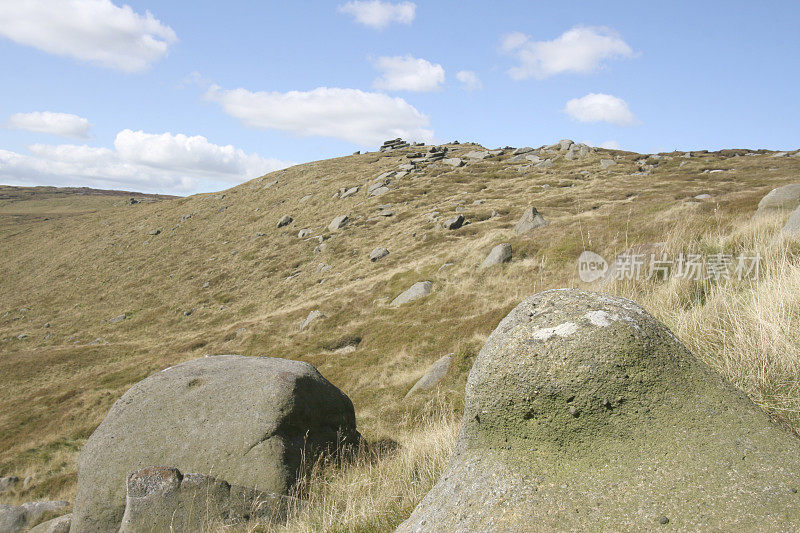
(77, 272)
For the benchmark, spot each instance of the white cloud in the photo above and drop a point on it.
(360, 117)
(377, 14)
(601, 108)
(164, 163)
(469, 79)
(61, 124)
(582, 49)
(95, 31)
(407, 73)
(611, 145)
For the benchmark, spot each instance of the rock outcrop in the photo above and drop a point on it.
(248, 420)
(582, 411)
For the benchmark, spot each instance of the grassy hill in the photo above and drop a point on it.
(213, 274)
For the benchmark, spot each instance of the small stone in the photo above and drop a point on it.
(312, 316)
(378, 253)
(303, 233)
(663, 520)
(155, 231)
(454, 222)
(118, 318)
(338, 223)
(285, 221)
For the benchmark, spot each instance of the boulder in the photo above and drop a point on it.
(418, 290)
(303, 233)
(584, 412)
(19, 518)
(523, 150)
(454, 222)
(499, 254)
(345, 192)
(312, 316)
(379, 191)
(478, 154)
(378, 253)
(565, 144)
(530, 220)
(432, 376)
(545, 163)
(338, 223)
(285, 221)
(454, 162)
(248, 420)
(161, 498)
(406, 167)
(605, 163)
(786, 198)
(9, 482)
(703, 197)
(56, 525)
(792, 227)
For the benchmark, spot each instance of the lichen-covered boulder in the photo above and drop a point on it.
(583, 412)
(247, 420)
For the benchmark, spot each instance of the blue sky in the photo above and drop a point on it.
(182, 97)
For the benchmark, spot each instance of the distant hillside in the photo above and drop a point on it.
(97, 293)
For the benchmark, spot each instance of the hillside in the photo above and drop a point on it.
(97, 300)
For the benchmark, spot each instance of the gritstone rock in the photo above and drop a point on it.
(583, 412)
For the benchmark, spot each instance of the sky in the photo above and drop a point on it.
(181, 97)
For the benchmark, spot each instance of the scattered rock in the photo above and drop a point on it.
(338, 223)
(786, 197)
(703, 197)
(161, 498)
(132, 201)
(418, 290)
(523, 150)
(118, 318)
(605, 163)
(406, 167)
(303, 233)
(7, 483)
(56, 525)
(530, 220)
(499, 254)
(432, 376)
(478, 154)
(155, 231)
(379, 191)
(454, 222)
(654, 428)
(249, 420)
(454, 162)
(565, 144)
(378, 253)
(312, 316)
(285, 221)
(346, 193)
(545, 163)
(19, 518)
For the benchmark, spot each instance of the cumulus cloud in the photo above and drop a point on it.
(601, 108)
(407, 73)
(165, 163)
(469, 80)
(582, 49)
(611, 145)
(360, 117)
(377, 14)
(61, 124)
(96, 31)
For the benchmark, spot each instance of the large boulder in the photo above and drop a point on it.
(583, 412)
(248, 420)
(785, 198)
(501, 253)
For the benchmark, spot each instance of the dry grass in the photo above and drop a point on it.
(76, 272)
